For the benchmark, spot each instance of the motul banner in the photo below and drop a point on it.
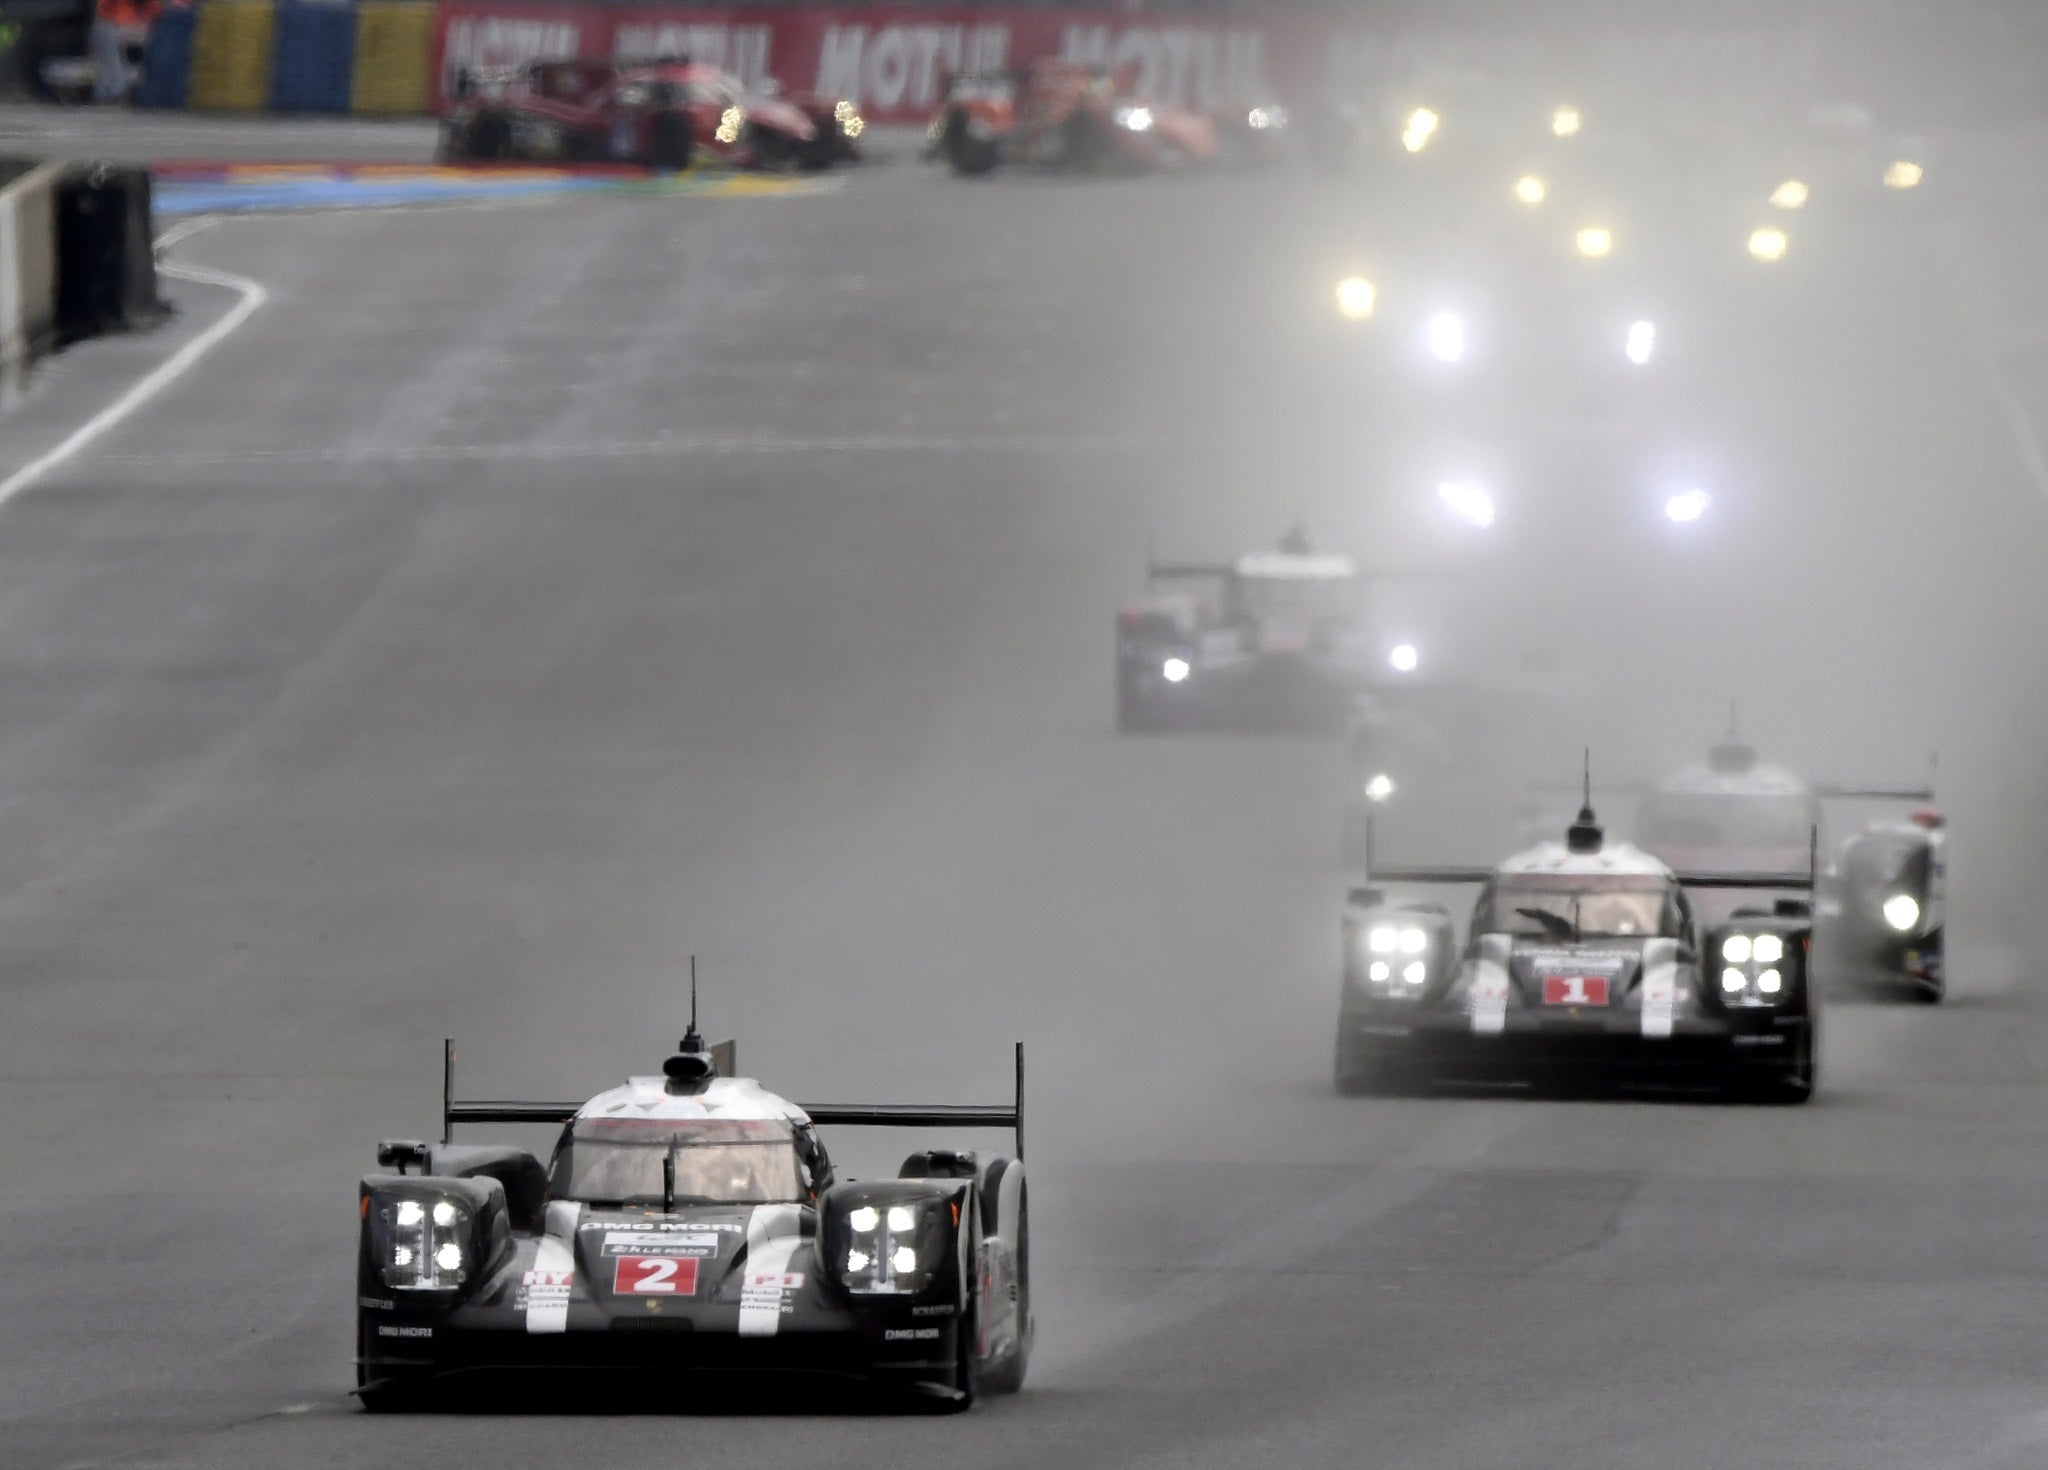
(889, 61)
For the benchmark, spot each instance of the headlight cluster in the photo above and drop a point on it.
(1134, 119)
(729, 124)
(851, 123)
(891, 1247)
(1902, 912)
(1266, 119)
(1753, 970)
(1397, 960)
(422, 1244)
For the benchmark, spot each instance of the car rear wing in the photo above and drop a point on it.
(725, 1055)
(1780, 881)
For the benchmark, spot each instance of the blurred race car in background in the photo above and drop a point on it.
(1882, 898)
(1069, 115)
(663, 114)
(1583, 961)
(693, 1222)
(1885, 900)
(1270, 640)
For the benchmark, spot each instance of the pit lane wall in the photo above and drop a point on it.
(28, 267)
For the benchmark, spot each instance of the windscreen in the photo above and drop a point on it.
(620, 1162)
(1589, 913)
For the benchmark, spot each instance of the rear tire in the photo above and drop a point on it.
(967, 155)
(490, 137)
(671, 142)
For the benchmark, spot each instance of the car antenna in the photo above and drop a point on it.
(1584, 834)
(690, 1065)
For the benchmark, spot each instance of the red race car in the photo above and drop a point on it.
(1068, 115)
(664, 114)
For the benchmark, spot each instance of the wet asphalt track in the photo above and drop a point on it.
(528, 598)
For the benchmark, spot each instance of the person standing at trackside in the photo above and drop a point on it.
(119, 30)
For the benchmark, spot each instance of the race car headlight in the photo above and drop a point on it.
(1134, 119)
(851, 123)
(1406, 979)
(1266, 119)
(1753, 970)
(891, 1246)
(1175, 670)
(1902, 911)
(1380, 787)
(420, 1244)
(729, 124)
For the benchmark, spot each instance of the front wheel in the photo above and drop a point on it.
(1794, 1083)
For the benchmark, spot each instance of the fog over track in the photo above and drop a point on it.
(526, 599)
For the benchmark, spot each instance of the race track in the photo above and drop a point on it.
(530, 597)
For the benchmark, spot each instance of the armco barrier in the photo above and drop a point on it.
(312, 56)
(28, 269)
(231, 55)
(394, 57)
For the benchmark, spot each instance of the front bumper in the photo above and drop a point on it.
(404, 1349)
(1539, 1047)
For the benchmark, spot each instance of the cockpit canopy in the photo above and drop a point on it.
(623, 1161)
(1569, 906)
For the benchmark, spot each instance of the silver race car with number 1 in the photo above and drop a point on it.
(1583, 958)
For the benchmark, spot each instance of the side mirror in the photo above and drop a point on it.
(401, 1153)
(1793, 908)
(1365, 898)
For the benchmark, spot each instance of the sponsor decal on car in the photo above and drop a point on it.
(687, 1243)
(910, 1334)
(942, 1309)
(646, 1275)
(385, 1329)
(1575, 990)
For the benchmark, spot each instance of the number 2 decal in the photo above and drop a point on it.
(654, 1275)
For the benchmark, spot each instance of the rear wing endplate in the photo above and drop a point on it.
(726, 1054)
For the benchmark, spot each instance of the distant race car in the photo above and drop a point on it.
(1881, 900)
(1582, 959)
(693, 1222)
(663, 114)
(1885, 900)
(1068, 115)
(1271, 639)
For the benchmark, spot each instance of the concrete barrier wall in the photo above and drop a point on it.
(28, 271)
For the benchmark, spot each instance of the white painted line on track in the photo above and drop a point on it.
(253, 294)
(727, 443)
